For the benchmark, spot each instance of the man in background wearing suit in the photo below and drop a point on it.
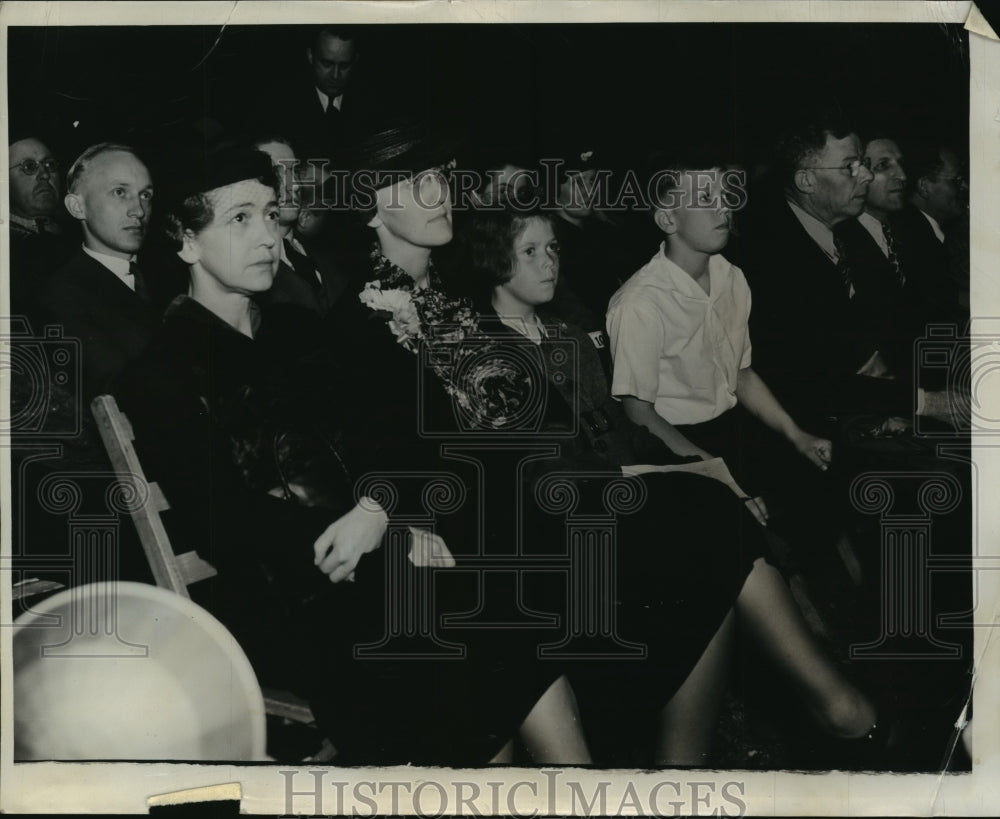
(873, 243)
(38, 244)
(307, 277)
(99, 296)
(934, 229)
(318, 108)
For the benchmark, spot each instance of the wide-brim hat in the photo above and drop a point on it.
(383, 154)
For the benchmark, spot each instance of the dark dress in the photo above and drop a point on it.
(222, 421)
(658, 575)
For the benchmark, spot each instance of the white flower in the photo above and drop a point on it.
(405, 321)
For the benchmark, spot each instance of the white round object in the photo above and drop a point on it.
(131, 671)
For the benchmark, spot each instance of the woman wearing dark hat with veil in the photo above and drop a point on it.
(231, 419)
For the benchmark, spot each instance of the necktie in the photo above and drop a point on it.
(46, 225)
(302, 265)
(140, 283)
(332, 117)
(843, 265)
(890, 243)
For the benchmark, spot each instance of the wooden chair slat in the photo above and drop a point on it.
(170, 570)
(193, 568)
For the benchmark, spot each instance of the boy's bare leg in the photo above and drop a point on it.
(687, 723)
(552, 732)
(768, 611)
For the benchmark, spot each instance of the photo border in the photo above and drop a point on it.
(127, 787)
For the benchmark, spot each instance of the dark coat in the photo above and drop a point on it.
(33, 258)
(201, 399)
(112, 323)
(895, 318)
(297, 114)
(809, 336)
(297, 284)
(928, 267)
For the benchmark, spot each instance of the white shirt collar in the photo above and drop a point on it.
(324, 100)
(533, 330)
(118, 266)
(818, 232)
(874, 227)
(934, 226)
(680, 279)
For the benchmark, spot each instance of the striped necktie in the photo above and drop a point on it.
(890, 244)
(843, 265)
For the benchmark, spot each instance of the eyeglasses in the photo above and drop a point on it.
(29, 167)
(853, 167)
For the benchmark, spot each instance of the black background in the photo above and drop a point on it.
(616, 87)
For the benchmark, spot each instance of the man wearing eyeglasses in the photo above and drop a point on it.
(816, 324)
(37, 243)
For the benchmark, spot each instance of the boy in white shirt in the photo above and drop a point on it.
(679, 333)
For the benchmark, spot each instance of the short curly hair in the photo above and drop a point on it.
(488, 238)
(191, 209)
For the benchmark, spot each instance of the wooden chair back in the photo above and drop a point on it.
(170, 570)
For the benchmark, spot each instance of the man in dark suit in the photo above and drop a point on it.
(99, 296)
(319, 108)
(815, 333)
(307, 276)
(38, 244)
(934, 221)
(874, 244)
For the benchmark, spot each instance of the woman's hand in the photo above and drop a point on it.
(818, 450)
(428, 549)
(340, 547)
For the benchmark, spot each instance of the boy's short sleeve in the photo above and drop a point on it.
(747, 357)
(635, 330)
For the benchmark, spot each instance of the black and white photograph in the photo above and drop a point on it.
(508, 409)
